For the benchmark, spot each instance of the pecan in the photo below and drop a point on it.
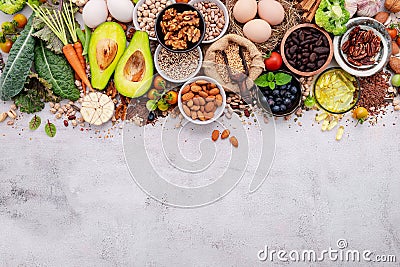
(120, 112)
(354, 62)
(345, 46)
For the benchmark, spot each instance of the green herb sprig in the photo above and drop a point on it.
(271, 80)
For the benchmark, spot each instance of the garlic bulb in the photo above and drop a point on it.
(351, 6)
(368, 8)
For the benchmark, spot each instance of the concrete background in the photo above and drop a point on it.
(70, 201)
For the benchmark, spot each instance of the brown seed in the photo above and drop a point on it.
(234, 141)
(225, 134)
(214, 91)
(209, 107)
(215, 135)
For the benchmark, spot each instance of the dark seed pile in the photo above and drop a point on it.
(373, 91)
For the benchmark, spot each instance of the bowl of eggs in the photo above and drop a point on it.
(258, 18)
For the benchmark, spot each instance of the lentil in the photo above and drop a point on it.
(178, 66)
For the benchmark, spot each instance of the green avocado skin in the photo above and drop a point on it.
(107, 30)
(139, 44)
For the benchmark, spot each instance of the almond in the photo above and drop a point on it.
(225, 134)
(3, 116)
(214, 91)
(202, 82)
(187, 96)
(195, 88)
(187, 111)
(234, 141)
(185, 89)
(395, 48)
(382, 16)
(203, 94)
(215, 135)
(209, 107)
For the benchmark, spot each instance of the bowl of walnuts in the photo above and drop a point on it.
(180, 28)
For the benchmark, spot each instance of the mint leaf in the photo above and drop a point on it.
(50, 129)
(262, 81)
(270, 77)
(282, 78)
(35, 123)
(271, 85)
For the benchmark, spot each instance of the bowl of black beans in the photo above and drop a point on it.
(283, 100)
(306, 49)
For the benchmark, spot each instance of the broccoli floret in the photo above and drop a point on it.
(11, 6)
(332, 16)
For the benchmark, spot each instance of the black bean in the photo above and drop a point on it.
(306, 54)
(304, 61)
(320, 63)
(313, 57)
(321, 50)
(311, 65)
(293, 49)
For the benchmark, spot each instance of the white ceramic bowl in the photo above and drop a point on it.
(226, 15)
(165, 76)
(382, 58)
(135, 18)
(219, 110)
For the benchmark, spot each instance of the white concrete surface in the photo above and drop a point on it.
(70, 201)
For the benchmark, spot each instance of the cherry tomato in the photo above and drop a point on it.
(360, 114)
(162, 105)
(8, 27)
(20, 20)
(152, 94)
(171, 97)
(392, 32)
(6, 46)
(273, 61)
(159, 83)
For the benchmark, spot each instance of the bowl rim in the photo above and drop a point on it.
(268, 110)
(226, 15)
(302, 73)
(358, 94)
(165, 76)
(135, 21)
(203, 30)
(217, 114)
(359, 72)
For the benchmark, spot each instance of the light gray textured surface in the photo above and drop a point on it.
(70, 201)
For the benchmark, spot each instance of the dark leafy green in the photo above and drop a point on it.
(44, 33)
(18, 64)
(35, 123)
(36, 92)
(56, 69)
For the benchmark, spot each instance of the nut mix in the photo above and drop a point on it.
(361, 47)
(147, 14)
(178, 66)
(180, 28)
(213, 17)
(307, 49)
(201, 99)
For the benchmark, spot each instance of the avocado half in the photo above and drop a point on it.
(134, 72)
(107, 45)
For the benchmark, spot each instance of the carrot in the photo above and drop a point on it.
(79, 49)
(73, 59)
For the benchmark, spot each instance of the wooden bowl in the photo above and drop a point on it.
(299, 72)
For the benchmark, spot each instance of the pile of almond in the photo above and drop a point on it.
(201, 99)
(225, 134)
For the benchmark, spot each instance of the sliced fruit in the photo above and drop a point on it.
(97, 108)
(107, 45)
(134, 72)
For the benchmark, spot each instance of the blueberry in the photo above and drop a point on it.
(271, 102)
(292, 97)
(278, 100)
(282, 107)
(284, 87)
(151, 116)
(288, 94)
(275, 92)
(266, 91)
(283, 92)
(293, 89)
(275, 109)
(287, 102)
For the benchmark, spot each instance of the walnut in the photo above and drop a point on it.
(180, 28)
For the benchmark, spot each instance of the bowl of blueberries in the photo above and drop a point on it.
(282, 100)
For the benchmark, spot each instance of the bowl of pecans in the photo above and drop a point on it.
(364, 49)
(201, 100)
(180, 28)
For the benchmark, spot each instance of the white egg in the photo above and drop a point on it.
(94, 13)
(121, 10)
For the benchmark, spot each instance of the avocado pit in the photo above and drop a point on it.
(135, 67)
(106, 50)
